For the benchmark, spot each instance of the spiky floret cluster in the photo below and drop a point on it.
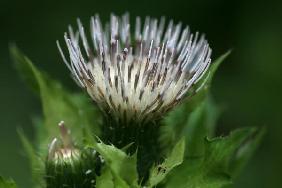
(136, 77)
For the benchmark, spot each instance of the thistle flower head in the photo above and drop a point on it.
(136, 77)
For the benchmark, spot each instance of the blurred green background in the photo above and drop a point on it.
(248, 84)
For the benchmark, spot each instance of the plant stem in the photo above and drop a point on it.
(143, 138)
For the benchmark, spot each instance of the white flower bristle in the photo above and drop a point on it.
(136, 77)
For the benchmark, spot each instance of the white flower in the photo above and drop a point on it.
(136, 78)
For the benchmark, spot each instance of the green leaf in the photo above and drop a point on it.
(79, 114)
(106, 179)
(245, 152)
(123, 166)
(25, 71)
(220, 151)
(7, 183)
(159, 172)
(37, 164)
(201, 123)
(195, 132)
(213, 168)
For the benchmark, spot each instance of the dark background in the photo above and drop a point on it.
(247, 85)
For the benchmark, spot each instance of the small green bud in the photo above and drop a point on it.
(68, 166)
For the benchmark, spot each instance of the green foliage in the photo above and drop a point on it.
(7, 183)
(37, 163)
(197, 161)
(244, 153)
(123, 168)
(58, 104)
(159, 172)
(212, 163)
(201, 123)
(212, 169)
(105, 180)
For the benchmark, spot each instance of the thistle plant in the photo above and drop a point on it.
(146, 118)
(135, 83)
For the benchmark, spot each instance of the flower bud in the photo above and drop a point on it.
(68, 166)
